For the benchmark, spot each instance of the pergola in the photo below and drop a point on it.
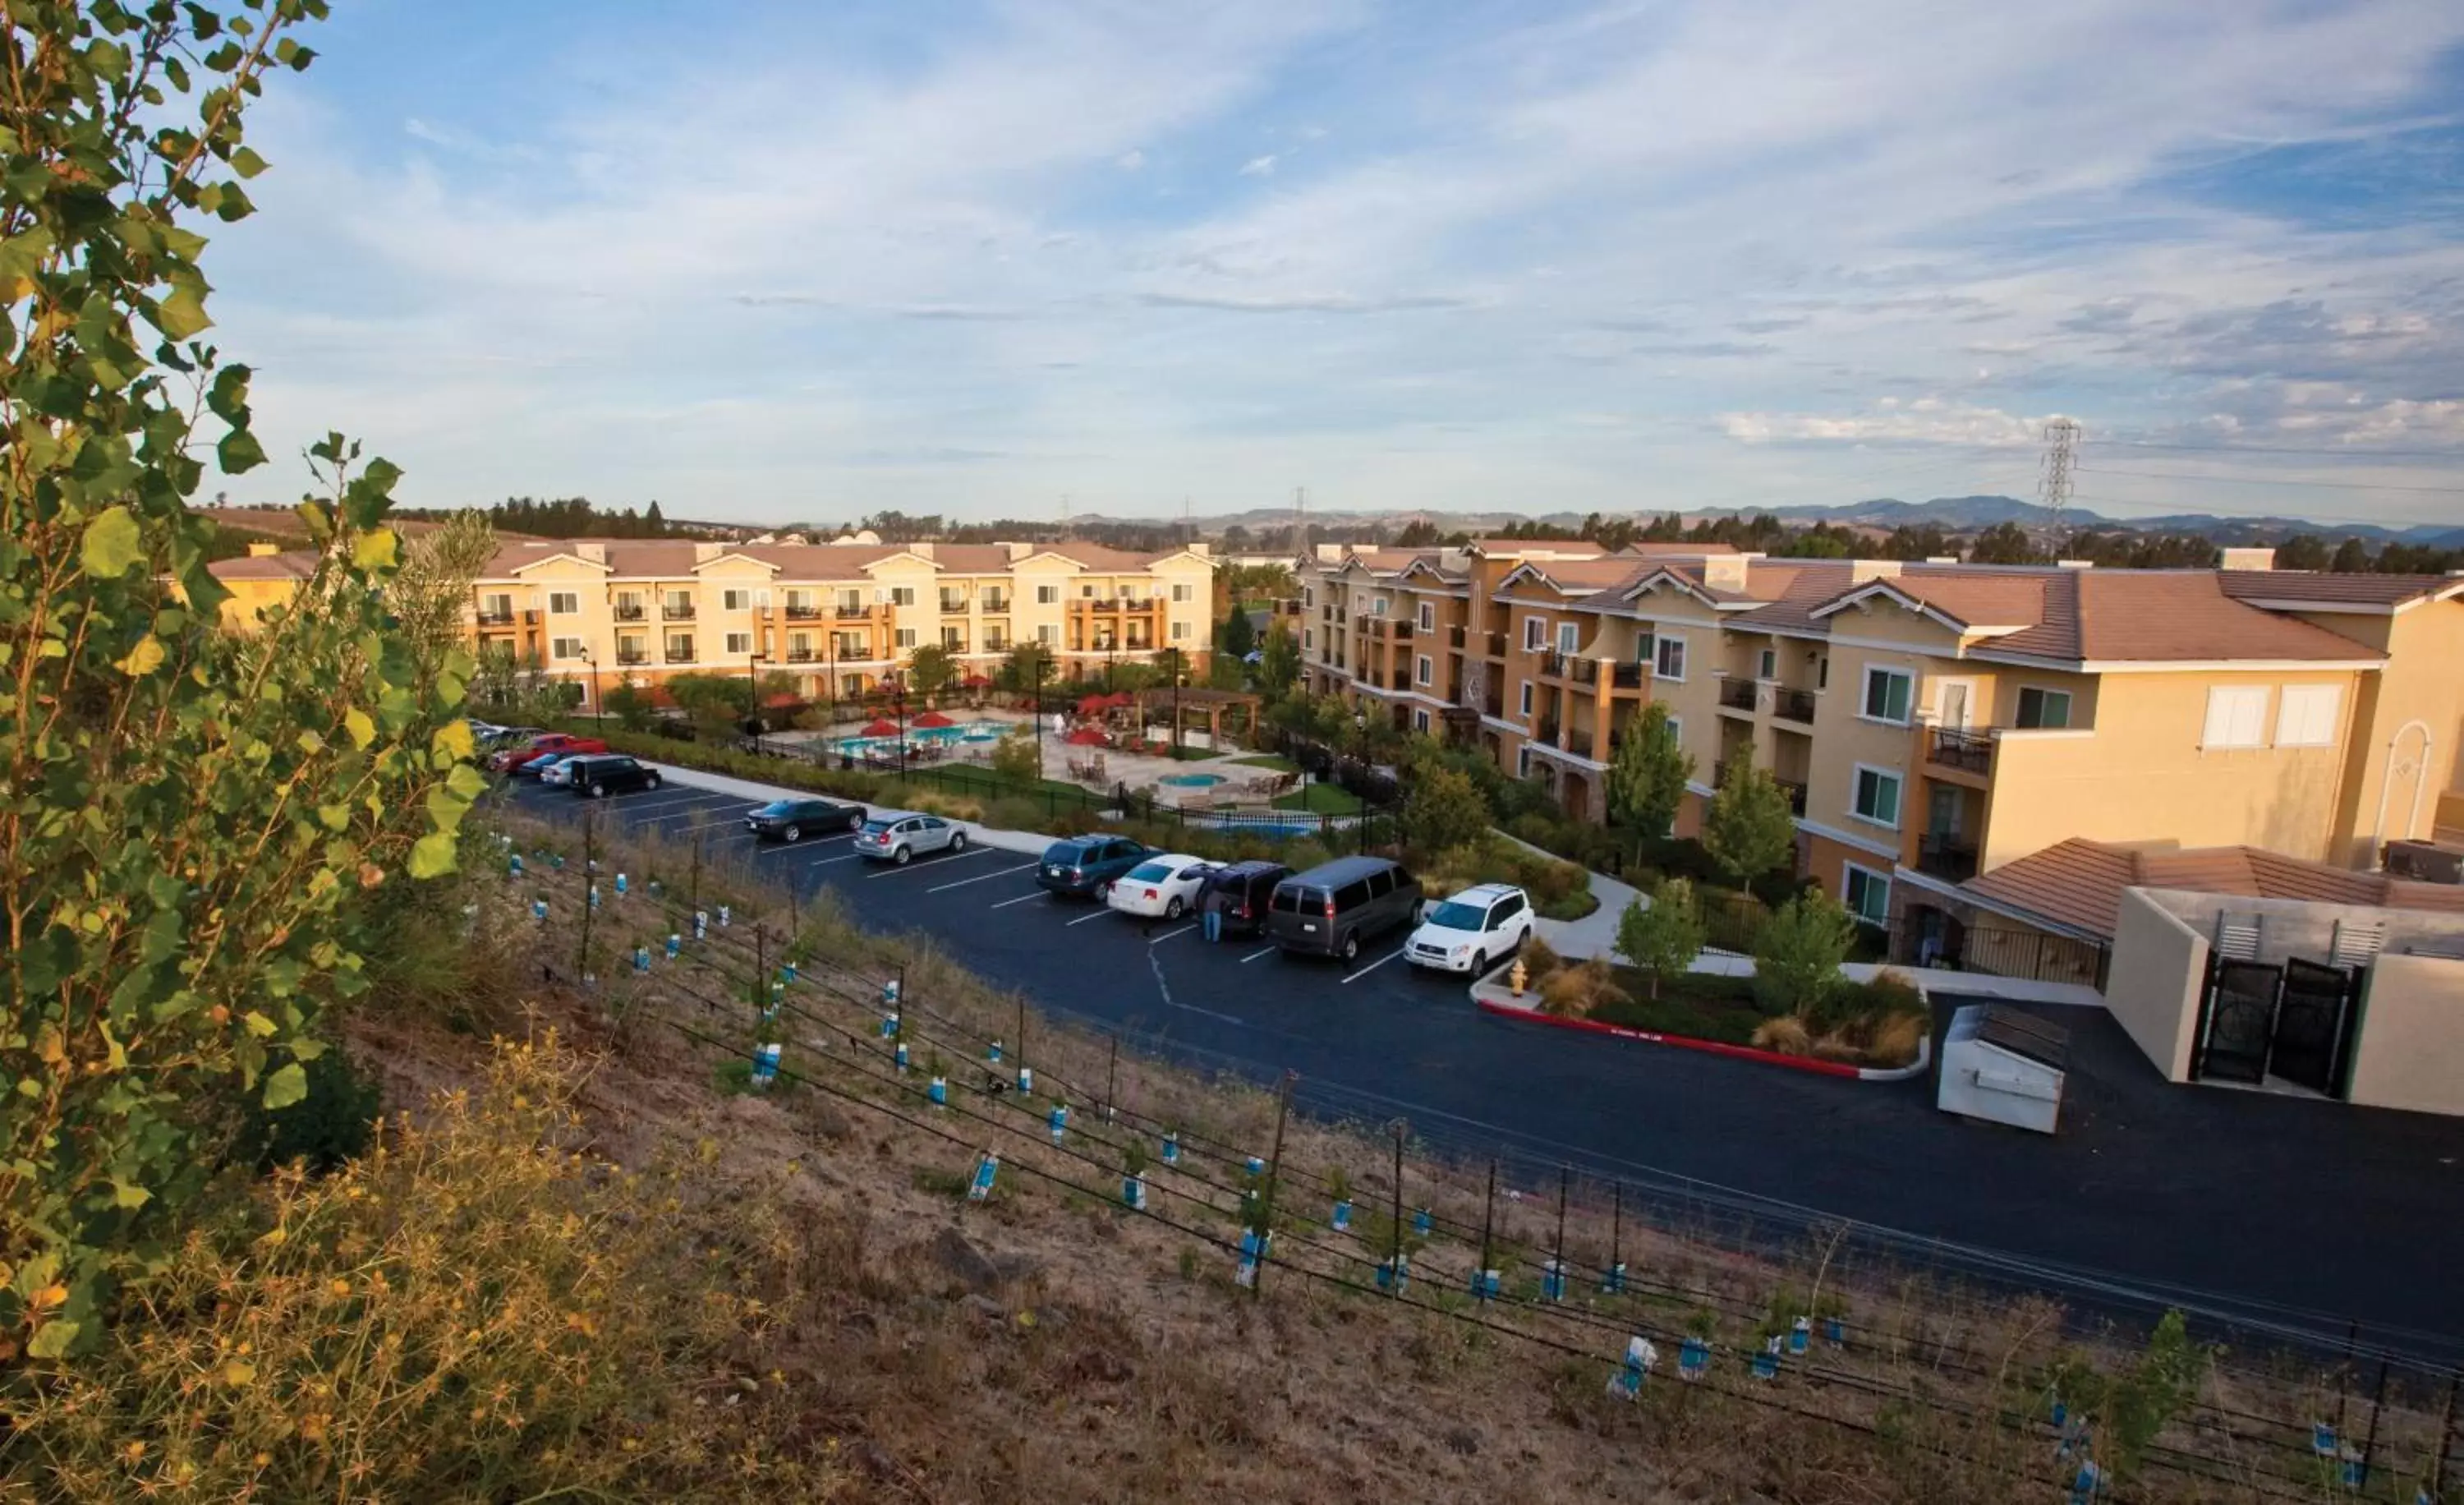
(1214, 705)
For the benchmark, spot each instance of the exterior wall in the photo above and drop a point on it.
(1827, 860)
(2412, 1035)
(251, 599)
(2405, 746)
(2152, 986)
(1879, 634)
(2143, 774)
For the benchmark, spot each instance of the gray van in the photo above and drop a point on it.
(1332, 908)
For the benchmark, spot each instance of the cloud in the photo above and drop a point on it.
(1307, 303)
(1131, 161)
(1927, 420)
(1258, 168)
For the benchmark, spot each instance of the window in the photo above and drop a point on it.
(1769, 669)
(996, 599)
(680, 649)
(499, 604)
(2236, 717)
(1047, 634)
(1867, 892)
(1523, 763)
(907, 637)
(2306, 715)
(1377, 608)
(955, 639)
(1419, 720)
(1179, 631)
(734, 600)
(1889, 692)
(1527, 699)
(1309, 638)
(953, 600)
(2044, 710)
(563, 603)
(902, 595)
(1421, 669)
(1878, 796)
(567, 647)
(1643, 646)
(1047, 595)
(1670, 662)
(1180, 592)
(1567, 635)
(1086, 592)
(851, 600)
(1535, 632)
(1309, 595)
(1126, 592)
(740, 642)
(1428, 616)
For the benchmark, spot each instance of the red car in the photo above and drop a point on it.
(555, 744)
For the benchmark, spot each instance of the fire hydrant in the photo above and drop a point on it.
(1518, 977)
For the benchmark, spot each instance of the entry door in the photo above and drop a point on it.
(1955, 706)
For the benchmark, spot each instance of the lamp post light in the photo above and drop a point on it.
(1179, 672)
(597, 708)
(752, 663)
(1042, 667)
(898, 704)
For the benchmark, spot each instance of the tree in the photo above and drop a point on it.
(2301, 552)
(1663, 934)
(2352, 558)
(930, 669)
(2003, 543)
(201, 826)
(1443, 811)
(1646, 777)
(1015, 758)
(1750, 830)
(1799, 950)
(1027, 660)
(432, 589)
(631, 703)
(1238, 638)
(1279, 665)
(716, 704)
(1418, 533)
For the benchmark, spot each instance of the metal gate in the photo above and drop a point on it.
(2312, 1015)
(2240, 1020)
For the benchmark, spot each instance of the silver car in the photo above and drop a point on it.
(893, 836)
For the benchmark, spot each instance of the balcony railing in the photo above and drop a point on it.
(1947, 857)
(1491, 644)
(1737, 695)
(803, 612)
(799, 656)
(954, 603)
(848, 613)
(1793, 705)
(1399, 680)
(1970, 752)
(632, 657)
(1625, 676)
(1493, 705)
(1552, 665)
(680, 655)
(996, 603)
(1796, 793)
(504, 618)
(630, 611)
(677, 612)
(1547, 731)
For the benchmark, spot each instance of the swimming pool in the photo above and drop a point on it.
(1191, 781)
(917, 736)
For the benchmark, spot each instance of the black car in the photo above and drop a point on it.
(595, 776)
(1332, 908)
(793, 820)
(1243, 890)
(1084, 865)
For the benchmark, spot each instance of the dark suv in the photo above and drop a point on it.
(1332, 908)
(793, 820)
(1084, 865)
(1244, 891)
(596, 776)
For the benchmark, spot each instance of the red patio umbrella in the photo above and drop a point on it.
(1085, 737)
(932, 719)
(879, 729)
(975, 681)
(1093, 704)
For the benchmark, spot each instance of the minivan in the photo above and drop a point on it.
(1246, 889)
(1332, 908)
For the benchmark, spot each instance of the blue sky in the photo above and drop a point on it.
(773, 261)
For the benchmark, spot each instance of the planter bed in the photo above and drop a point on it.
(1879, 1026)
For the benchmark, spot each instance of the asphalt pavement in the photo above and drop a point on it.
(2252, 1206)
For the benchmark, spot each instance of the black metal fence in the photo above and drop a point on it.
(2002, 951)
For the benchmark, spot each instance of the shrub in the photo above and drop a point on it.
(1539, 959)
(1785, 1033)
(1664, 936)
(1798, 951)
(1444, 811)
(1014, 756)
(1573, 992)
(320, 1131)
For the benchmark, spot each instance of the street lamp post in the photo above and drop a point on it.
(598, 709)
(1178, 674)
(830, 685)
(1042, 667)
(752, 663)
(898, 704)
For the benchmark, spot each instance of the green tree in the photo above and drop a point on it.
(930, 669)
(1646, 777)
(716, 704)
(2301, 552)
(195, 825)
(1238, 636)
(1662, 937)
(2003, 543)
(1279, 666)
(631, 703)
(1443, 811)
(2352, 558)
(431, 592)
(1749, 829)
(1015, 758)
(1799, 950)
(1027, 659)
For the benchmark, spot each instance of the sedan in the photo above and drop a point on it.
(1162, 888)
(556, 768)
(892, 836)
(793, 820)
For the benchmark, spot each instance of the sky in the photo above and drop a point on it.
(771, 262)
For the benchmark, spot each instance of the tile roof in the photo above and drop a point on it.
(1584, 576)
(2334, 589)
(671, 559)
(2129, 615)
(1518, 548)
(2077, 883)
(290, 565)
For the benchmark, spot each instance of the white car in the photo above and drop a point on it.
(554, 771)
(1163, 887)
(900, 837)
(1472, 929)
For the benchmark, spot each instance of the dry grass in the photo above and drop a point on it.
(1785, 1034)
(1573, 992)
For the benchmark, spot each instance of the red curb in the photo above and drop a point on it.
(1682, 1042)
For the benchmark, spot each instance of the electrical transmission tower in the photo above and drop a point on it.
(2062, 457)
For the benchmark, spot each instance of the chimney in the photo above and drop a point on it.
(922, 550)
(2248, 559)
(1726, 572)
(1019, 552)
(1942, 559)
(1861, 570)
(2075, 563)
(1454, 559)
(1330, 553)
(263, 550)
(1196, 546)
(596, 553)
(704, 553)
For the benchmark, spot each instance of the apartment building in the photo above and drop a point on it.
(1931, 722)
(837, 616)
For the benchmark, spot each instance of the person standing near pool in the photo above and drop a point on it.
(1212, 904)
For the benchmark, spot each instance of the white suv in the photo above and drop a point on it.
(1472, 929)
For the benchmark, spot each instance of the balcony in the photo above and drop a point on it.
(996, 602)
(799, 656)
(1399, 680)
(1545, 732)
(1552, 666)
(1968, 752)
(1738, 695)
(1625, 676)
(677, 612)
(630, 611)
(680, 653)
(632, 657)
(1793, 705)
(804, 611)
(504, 618)
(1945, 858)
(1492, 645)
(1796, 793)
(958, 603)
(848, 613)
(1454, 636)
(1493, 705)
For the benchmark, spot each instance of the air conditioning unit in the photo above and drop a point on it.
(2424, 862)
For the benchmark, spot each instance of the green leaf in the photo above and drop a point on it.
(183, 314)
(143, 659)
(52, 1340)
(125, 1195)
(286, 1086)
(245, 162)
(431, 857)
(239, 453)
(111, 544)
(362, 730)
(375, 549)
(227, 397)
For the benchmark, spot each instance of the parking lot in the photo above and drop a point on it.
(2241, 1201)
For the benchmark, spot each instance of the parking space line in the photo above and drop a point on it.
(1021, 899)
(1098, 914)
(850, 857)
(689, 810)
(1374, 966)
(1169, 934)
(984, 878)
(1255, 955)
(669, 796)
(971, 851)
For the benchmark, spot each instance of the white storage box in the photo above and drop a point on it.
(2004, 1067)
